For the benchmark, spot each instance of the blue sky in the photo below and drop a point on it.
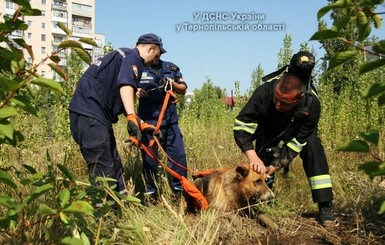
(222, 56)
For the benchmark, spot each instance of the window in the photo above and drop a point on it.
(43, 37)
(29, 35)
(43, 50)
(42, 13)
(57, 39)
(43, 25)
(29, 23)
(43, 2)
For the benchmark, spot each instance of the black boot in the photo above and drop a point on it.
(326, 214)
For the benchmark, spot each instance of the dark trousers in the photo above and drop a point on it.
(172, 143)
(98, 147)
(315, 166)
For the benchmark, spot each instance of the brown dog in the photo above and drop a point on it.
(234, 188)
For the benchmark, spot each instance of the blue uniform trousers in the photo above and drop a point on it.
(172, 143)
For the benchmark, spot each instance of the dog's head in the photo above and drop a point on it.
(253, 184)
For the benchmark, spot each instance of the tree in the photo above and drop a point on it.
(256, 77)
(285, 53)
(345, 48)
(107, 48)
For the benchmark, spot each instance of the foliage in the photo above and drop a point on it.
(205, 102)
(361, 15)
(285, 53)
(256, 77)
(28, 208)
(19, 81)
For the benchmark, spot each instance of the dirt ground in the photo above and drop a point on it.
(304, 229)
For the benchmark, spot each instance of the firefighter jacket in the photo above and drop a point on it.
(259, 121)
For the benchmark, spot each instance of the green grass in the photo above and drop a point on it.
(209, 144)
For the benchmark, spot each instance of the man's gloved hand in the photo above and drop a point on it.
(147, 128)
(133, 126)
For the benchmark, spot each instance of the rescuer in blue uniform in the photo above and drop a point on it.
(282, 118)
(156, 79)
(105, 91)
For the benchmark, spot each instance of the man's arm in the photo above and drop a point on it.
(127, 96)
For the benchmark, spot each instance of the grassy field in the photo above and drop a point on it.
(209, 144)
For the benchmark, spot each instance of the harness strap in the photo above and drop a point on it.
(199, 200)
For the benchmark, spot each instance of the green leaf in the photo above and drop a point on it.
(379, 47)
(83, 55)
(369, 66)
(361, 18)
(6, 128)
(71, 241)
(382, 208)
(66, 171)
(130, 199)
(38, 192)
(16, 138)
(89, 41)
(8, 84)
(372, 169)
(341, 57)
(373, 90)
(24, 103)
(79, 207)
(377, 19)
(8, 202)
(63, 197)
(364, 31)
(58, 70)
(323, 11)
(29, 168)
(5, 178)
(6, 54)
(85, 239)
(65, 29)
(355, 146)
(48, 83)
(64, 218)
(340, 23)
(45, 210)
(31, 12)
(70, 44)
(55, 58)
(372, 136)
(325, 34)
(16, 66)
(32, 178)
(24, 3)
(7, 112)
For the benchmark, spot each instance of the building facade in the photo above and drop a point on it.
(44, 35)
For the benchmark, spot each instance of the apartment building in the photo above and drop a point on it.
(44, 35)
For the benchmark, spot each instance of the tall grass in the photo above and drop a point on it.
(209, 143)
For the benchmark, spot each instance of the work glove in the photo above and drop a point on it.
(147, 128)
(150, 129)
(133, 126)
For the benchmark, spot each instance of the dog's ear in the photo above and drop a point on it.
(242, 172)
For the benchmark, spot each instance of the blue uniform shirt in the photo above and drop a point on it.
(97, 93)
(150, 106)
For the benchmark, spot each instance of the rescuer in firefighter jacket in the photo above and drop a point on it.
(155, 81)
(282, 117)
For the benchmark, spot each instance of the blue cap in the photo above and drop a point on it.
(151, 38)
